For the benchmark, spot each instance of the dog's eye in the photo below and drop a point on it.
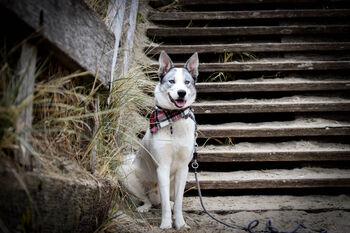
(187, 82)
(172, 81)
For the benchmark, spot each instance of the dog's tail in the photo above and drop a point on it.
(129, 159)
(126, 165)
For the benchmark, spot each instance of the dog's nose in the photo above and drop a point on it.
(181, 93)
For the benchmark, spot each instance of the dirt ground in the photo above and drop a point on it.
(333, 221)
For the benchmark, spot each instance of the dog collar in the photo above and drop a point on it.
(163, 117)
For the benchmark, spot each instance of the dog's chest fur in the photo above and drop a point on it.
(176, 146)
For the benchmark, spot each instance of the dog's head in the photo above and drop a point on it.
(176, 87)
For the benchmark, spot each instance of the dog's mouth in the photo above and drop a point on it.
(180, 103)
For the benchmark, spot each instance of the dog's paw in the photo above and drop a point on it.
(166, 224)
(144, 208)
(181, 224)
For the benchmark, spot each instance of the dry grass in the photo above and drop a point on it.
(65, 117)
(64, 131)
(123, 213)
(65, 113)
(99, 6)
(230, 57)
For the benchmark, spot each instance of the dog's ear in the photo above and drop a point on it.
(192, 65)
(165, 64)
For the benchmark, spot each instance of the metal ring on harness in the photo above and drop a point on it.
(195, 165)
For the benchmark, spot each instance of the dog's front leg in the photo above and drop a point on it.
(163, 174)
(180, 182)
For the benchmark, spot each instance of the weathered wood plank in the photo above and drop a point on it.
(299, 127)
(234, 2)
(25, 75)
(275, 152)
(129, 27)
(271, 85)
(207, 132)
(287, 104)
(234, 204)
(273, 65)
(115, 16)
(282, 156)
(79, 39)
(268, 179)
(96, 126)
(247, 31)
(55, 202)
(259, 14)
(250, 47)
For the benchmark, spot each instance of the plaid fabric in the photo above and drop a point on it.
(163, 117)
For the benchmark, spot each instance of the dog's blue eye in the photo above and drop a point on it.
(187, 82)
(172, 81)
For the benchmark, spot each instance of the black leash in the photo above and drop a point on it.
(254, 223)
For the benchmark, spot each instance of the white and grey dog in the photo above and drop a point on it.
(157, 173)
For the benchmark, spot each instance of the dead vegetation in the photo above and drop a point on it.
(65, 114)
(72, 120)
(68, 125)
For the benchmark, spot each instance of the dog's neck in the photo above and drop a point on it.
(169, 110)
(161, 117)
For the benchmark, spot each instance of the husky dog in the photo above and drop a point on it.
(157, 173)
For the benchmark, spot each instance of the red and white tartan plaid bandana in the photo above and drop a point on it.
(162, 117)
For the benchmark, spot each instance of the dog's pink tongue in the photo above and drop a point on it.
(180, 103)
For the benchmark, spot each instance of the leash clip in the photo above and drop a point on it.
(195, 164)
